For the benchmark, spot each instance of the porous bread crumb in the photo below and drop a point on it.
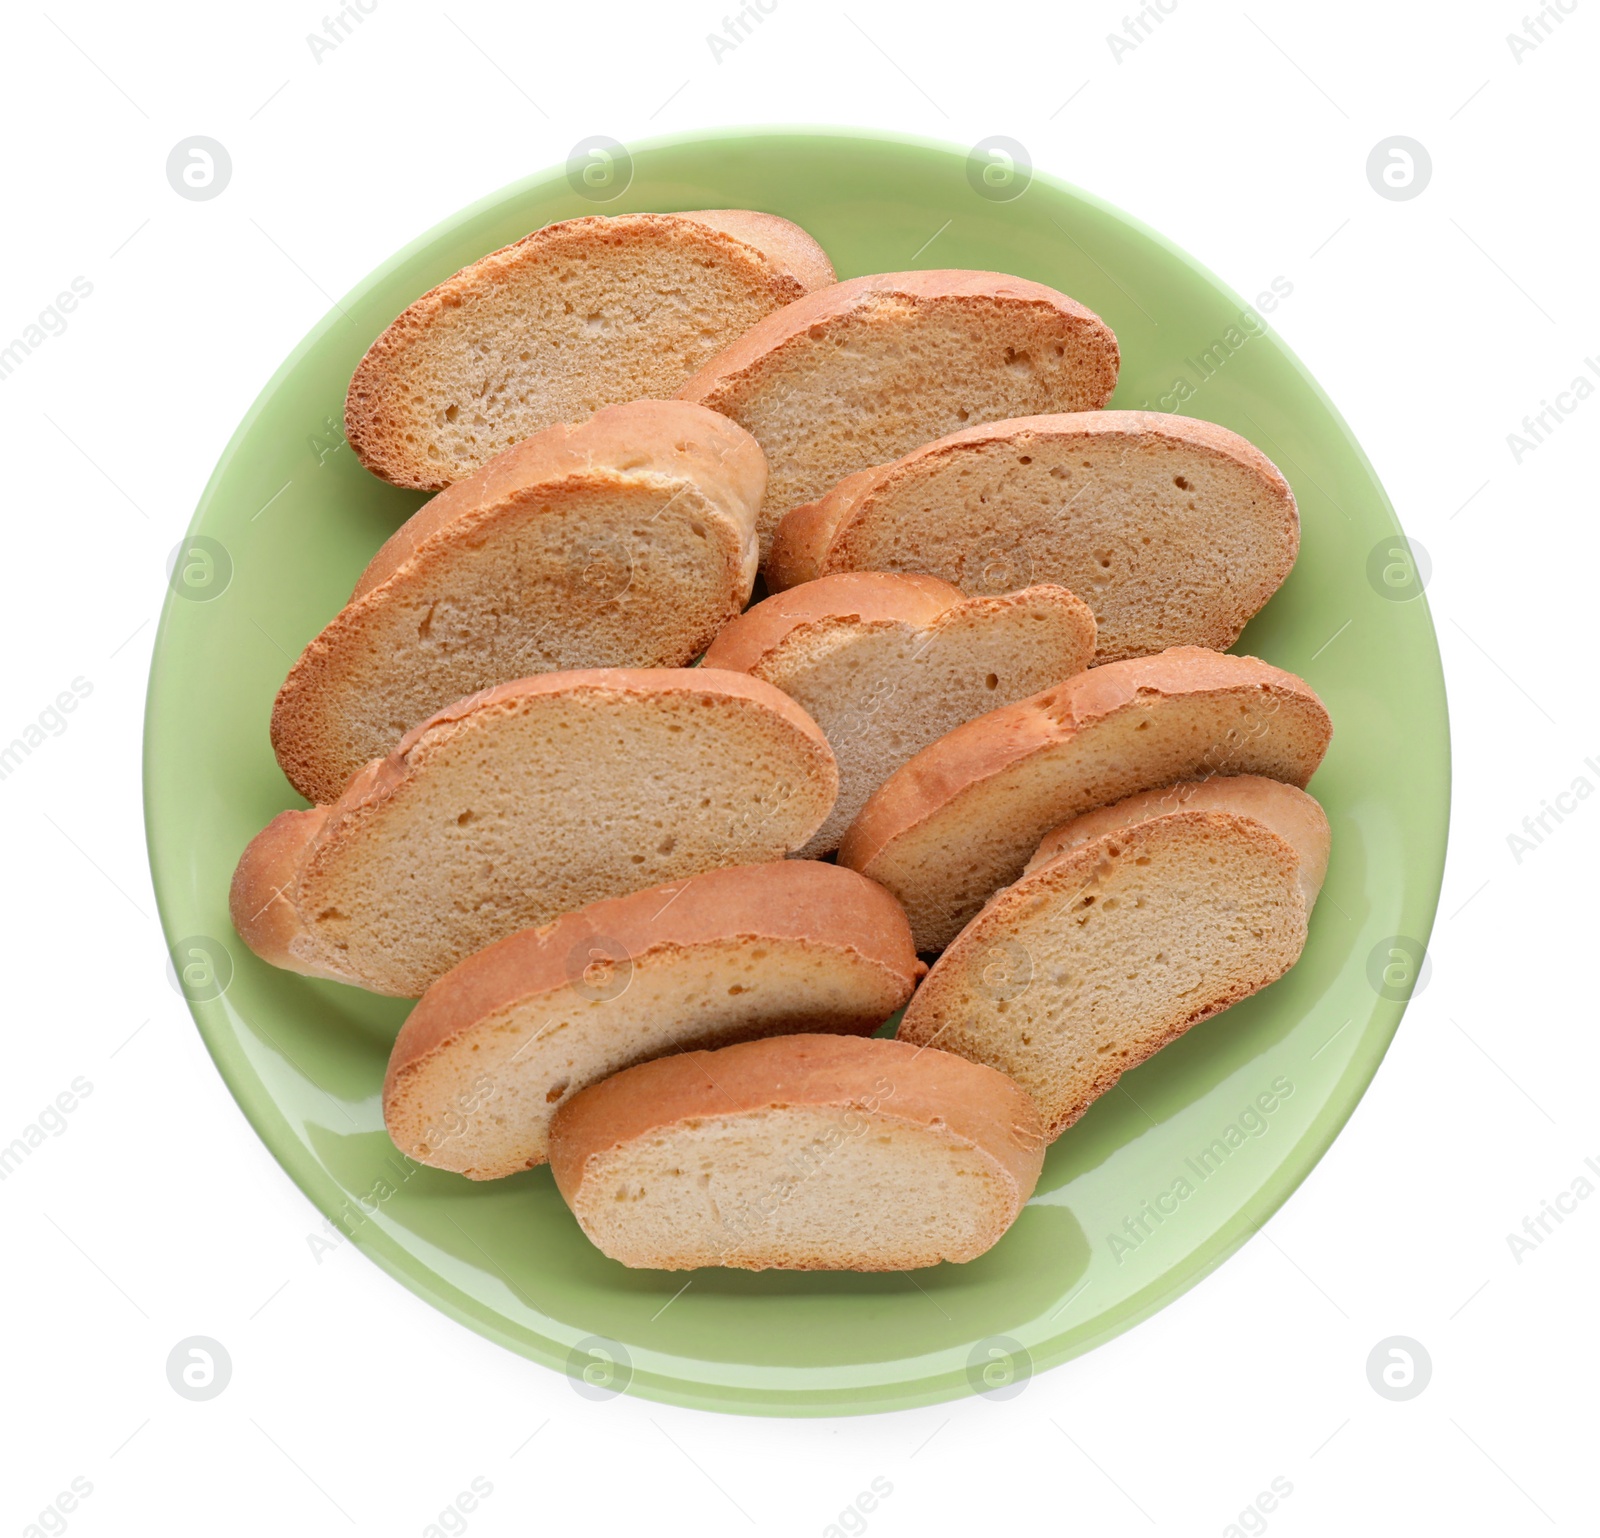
(733, 1191)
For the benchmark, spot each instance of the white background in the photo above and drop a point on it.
(1436, 324)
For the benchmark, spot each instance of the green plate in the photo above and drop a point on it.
(1165, 1176)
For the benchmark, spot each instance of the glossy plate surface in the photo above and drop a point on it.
(1165, 1176)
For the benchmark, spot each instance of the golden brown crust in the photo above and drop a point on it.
(1285, 810)
(988, 745)
(804, 534)
(870, 597)
(791, 251)
(668, 437)
(674, 442)
(799, 900)
(375, 425)
(635, 681)
(809, 540)
(930, 1089)
(875, 598)
(261, 897)
(827, 305)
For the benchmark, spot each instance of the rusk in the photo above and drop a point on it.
(578, 315)
(801, 1152)
(626, 541)
(1130, 925)
(527, 801)
(1174, 531)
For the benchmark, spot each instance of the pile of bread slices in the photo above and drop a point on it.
(654, 912)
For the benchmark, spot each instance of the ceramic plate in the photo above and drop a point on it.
(1166, 1175)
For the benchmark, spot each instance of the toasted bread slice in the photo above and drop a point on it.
(860, 373)
(809, 1153)
(626, 541)
(962, 817)
(524, 802)
(1131, 924)
(501, 1042)
(1175, 532)
(578, 315)
(887, 664)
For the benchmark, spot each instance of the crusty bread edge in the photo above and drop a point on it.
(797, 900)
(758, 637)
(792, 251)
(828, 305)
(804, 534)
(565, 450)
(261, 897)
(867, 597)
(992, 743)
(1293, 814)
